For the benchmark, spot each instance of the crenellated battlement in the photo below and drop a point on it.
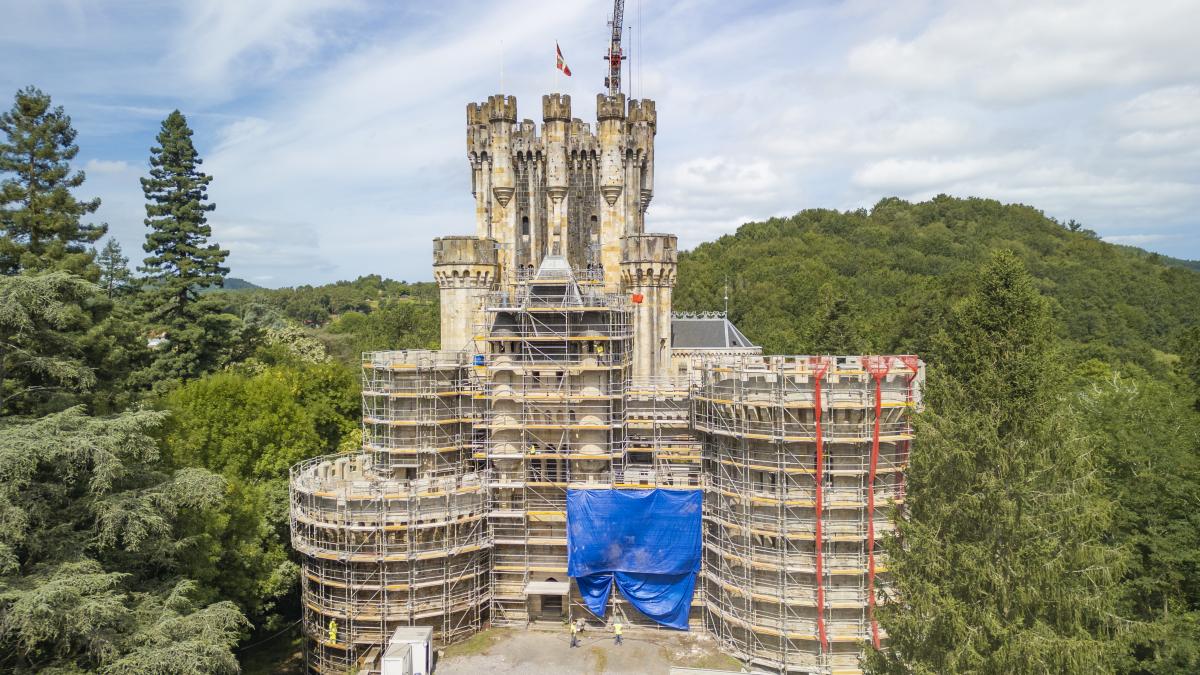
(610, 107)
(476, 114)
(556, 108)
(501, 108)
(464, 251)
(649, 249)
(643, 110)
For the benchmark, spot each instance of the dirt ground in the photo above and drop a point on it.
(545, 652)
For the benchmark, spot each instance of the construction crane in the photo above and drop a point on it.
(614, 55)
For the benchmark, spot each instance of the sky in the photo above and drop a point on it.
(335, 130)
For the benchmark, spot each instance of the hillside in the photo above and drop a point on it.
(882, 280)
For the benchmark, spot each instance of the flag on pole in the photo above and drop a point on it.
(561, 65)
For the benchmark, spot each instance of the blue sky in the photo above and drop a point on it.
(335, 130)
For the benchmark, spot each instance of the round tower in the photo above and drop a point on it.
(648, 267)
(466, 268)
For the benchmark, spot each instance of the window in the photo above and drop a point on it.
(525, 226)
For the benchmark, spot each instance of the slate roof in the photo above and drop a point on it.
(706, 331)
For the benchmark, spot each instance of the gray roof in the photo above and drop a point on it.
(709, 330)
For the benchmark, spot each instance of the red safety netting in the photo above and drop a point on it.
(819, 366)
(878, 367)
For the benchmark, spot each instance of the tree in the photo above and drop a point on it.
(1000, 563)
(90, 551)
(40, 226)
(114, 268)
(199, 334)
(252, 424)
(181, 261)
(1148, 436)
(40, 359)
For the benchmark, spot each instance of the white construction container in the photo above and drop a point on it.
(409, 652)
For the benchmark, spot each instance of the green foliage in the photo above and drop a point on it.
(899, 268)
(90, 549)
(412, 324)
(115, 350)
(256, 426)
(115, 277)
(40, 226)
(176, 636)
(318, 305)
(1148, 436)
(41, 317)
(181, 260)
(200, 336)
(206, 342)
(251, 424)
(1000, 565)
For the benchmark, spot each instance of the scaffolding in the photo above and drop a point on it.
(555, 359)
(803, 458)
(418, 407)
(395, 535)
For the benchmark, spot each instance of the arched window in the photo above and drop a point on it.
(525, 226)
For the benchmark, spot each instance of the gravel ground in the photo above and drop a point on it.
(546, 652)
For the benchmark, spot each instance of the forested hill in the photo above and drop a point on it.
(825, 281)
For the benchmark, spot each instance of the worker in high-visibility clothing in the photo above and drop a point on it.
(600, 349)
(617, 628)
(333, 631)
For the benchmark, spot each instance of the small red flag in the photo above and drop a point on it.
(561, 65)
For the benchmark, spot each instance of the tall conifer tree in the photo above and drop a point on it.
(181, 261)
(1000, 565)
(40, 226)
(114, 268)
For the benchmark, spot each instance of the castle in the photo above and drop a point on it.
(563, 369)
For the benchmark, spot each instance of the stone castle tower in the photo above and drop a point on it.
(567, 195)
(563, 368)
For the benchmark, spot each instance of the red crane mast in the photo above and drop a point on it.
(614, 55)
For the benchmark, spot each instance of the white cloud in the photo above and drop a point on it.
(1165, 108)
(335, 135)
(100, 166)
(905, 175)
(1018, 52)
(222, 42)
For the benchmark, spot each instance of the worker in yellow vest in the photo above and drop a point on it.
(617, 628)
(333, 631)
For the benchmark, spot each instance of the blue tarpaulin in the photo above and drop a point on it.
(645, 541)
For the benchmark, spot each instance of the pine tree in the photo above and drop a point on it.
(181, 261)
(1000, 564)
(114, 268)
(199, 335)
(40, 226)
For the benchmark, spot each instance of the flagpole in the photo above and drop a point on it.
(502, 66)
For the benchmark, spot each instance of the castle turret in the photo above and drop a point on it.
(648, 267)
(610, 113)
(502, 115)
(466, 268)
(479, 150)
(643, 125)
(556, 114)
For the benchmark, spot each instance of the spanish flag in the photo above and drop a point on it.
(562, 65)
